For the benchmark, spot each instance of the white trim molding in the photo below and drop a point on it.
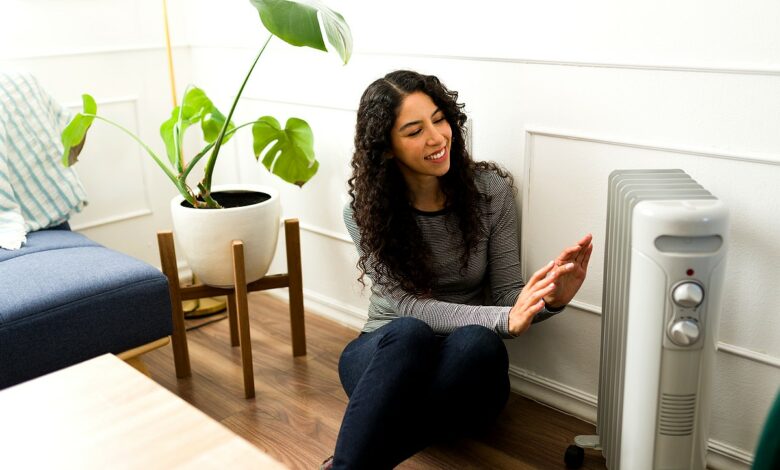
(749, 157)
(53, 54)
(76, 105)
(326, 233)
(586, 307)
(299, 103)
(745, 353)
(581, 63)
(112, 220)
(722, 456)
(696, 68)
(557, 395)
(734, 350)
(724, 69)
(324, 306)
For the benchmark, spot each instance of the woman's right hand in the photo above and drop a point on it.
(531, 299)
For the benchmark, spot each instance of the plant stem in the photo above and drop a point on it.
(183, 175)
(206, 195)
(206, 183)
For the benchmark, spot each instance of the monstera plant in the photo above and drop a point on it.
(287, 152)
(246, 212)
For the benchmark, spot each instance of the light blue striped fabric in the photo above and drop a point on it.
(36, 191)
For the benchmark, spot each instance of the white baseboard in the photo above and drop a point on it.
(326, 307)
(554, 394)
(574, 402)
(721, 456)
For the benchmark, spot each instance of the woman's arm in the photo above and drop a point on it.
(443, 317)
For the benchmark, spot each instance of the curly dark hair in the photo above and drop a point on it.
(391, 242)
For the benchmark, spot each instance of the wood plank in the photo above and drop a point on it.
(292, 238)
(299, 402)
(197, 291)
(242, 313)
(103, 414)
(171, 271)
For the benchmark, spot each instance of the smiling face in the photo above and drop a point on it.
(421, 138)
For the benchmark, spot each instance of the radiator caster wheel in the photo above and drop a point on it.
(574, 456)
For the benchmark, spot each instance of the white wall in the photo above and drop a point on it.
(569, 91)
(564, 90)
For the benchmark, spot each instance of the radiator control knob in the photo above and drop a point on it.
(688, 295)
(684, 332)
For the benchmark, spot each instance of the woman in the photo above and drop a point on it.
(437, 236)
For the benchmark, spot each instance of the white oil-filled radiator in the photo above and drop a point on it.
(663, 272)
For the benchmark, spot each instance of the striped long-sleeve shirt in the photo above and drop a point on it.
(484, 292)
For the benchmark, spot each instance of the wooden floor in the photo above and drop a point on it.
(296, 414)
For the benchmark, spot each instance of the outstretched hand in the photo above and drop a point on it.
(569, 270)
(530, 301)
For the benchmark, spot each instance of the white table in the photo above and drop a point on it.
(103, 414)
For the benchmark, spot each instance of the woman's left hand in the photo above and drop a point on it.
(571, 266)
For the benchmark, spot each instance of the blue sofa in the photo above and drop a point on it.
(65, 299)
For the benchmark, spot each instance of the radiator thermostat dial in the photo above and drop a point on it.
(684, 332)
(688, 295)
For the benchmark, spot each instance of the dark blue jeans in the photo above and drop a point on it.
(409, 388)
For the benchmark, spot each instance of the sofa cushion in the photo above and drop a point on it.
(47, 240)
(66, 299)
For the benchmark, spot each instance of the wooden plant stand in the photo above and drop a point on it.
(238, 308)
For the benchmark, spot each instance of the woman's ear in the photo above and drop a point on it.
(388, 155)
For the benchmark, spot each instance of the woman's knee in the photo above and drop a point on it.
(402, 347)
(480, 347)
(408, 332)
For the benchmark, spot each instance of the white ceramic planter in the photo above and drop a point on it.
(205, 235)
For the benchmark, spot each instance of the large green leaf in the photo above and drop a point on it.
(75, 133)
(292, 155)
(296, 22)
(195, 107)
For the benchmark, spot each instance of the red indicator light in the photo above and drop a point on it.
(689, 272)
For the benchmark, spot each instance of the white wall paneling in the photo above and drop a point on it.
(111, 169)
(580, 166)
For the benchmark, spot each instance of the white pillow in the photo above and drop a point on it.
(33, 182)
(12, 230)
